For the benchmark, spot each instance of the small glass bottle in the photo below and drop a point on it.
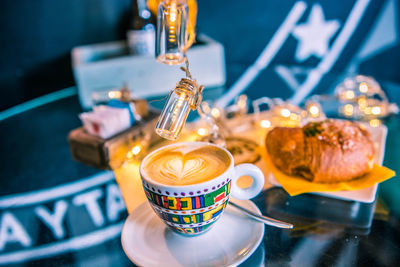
(187, 95)
(172, 34)
(141, 34)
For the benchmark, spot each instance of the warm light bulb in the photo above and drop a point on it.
(294, 117)
(375, 123)
(172, 19)
(202, 131)
(362, 103)
(185, 96)
(172, 12)
(171, 38)
(285, 113)
(215, 113)
(363, 87)
(136, 150)
(314, 110)
(265, 123)
(348, 110)
(349, 94)
(174, 116)
(114, 94)
(376, 110)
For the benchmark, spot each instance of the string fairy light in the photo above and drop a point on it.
(202, 131)
(134, 151)
(265, 124)
(186, 96)
(361, 97)
(285, 112)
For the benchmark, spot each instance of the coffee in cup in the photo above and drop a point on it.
(189, 184)
(182, 165)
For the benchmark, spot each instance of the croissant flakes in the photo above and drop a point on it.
(324, 152)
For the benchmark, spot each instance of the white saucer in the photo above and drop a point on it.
(234, 237)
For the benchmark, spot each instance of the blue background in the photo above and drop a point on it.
(36, 38)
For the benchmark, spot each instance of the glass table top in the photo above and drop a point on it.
(55, 211)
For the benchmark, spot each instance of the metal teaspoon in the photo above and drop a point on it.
(262, 218)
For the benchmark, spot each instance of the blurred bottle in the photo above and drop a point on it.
(141, 33)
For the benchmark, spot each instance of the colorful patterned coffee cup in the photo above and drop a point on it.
(192, 209)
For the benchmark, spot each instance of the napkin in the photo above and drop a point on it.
(296, 185)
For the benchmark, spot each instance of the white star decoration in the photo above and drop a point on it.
(314, 35)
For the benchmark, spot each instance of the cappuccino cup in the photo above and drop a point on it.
(189, 184)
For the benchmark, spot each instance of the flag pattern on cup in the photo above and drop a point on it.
(192, 223)
(188, 202)
(192, 230)
(190, 214)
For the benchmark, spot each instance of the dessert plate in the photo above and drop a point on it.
(367, 195)
(147, 241)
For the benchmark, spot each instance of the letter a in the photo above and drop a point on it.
(11, 230)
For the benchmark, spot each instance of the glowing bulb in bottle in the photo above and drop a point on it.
(172, 39)
(174, 116)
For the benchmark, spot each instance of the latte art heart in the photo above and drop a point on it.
(180, 168)
(186, 165)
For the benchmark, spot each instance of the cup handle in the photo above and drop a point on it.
(254, 189)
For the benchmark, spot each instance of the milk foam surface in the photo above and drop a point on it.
(186, 164)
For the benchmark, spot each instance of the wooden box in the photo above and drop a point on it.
(109, 153)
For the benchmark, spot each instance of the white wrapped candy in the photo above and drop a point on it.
(105, 121)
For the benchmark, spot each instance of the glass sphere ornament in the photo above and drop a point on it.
(361, 97)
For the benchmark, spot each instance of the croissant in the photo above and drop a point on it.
(323, 152)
